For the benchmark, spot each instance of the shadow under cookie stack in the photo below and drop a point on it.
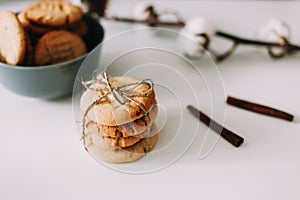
(119, 115)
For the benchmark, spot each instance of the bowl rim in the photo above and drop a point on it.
(43, 67)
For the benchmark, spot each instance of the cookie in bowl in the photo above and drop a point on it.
(58, 46)
(12, 39)
(54, 13)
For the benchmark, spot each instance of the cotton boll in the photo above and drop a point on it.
(273, 30)
(193, 44)
(140, 11)
(190, 44)
(200, 25)
(141, 14)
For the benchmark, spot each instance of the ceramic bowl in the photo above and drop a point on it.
(52, 81)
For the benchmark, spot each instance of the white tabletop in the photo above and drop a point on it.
(42, 156)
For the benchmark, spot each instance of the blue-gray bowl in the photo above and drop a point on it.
(52, 81)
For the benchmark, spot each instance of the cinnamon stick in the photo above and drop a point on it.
(258, 108)
(228, 135)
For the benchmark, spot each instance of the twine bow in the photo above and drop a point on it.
(122, 94)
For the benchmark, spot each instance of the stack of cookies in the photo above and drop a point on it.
(46, 32)
(116, 132)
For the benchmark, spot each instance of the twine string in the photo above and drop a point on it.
(122, 94)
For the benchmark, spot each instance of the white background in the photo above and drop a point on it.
(41, 156)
